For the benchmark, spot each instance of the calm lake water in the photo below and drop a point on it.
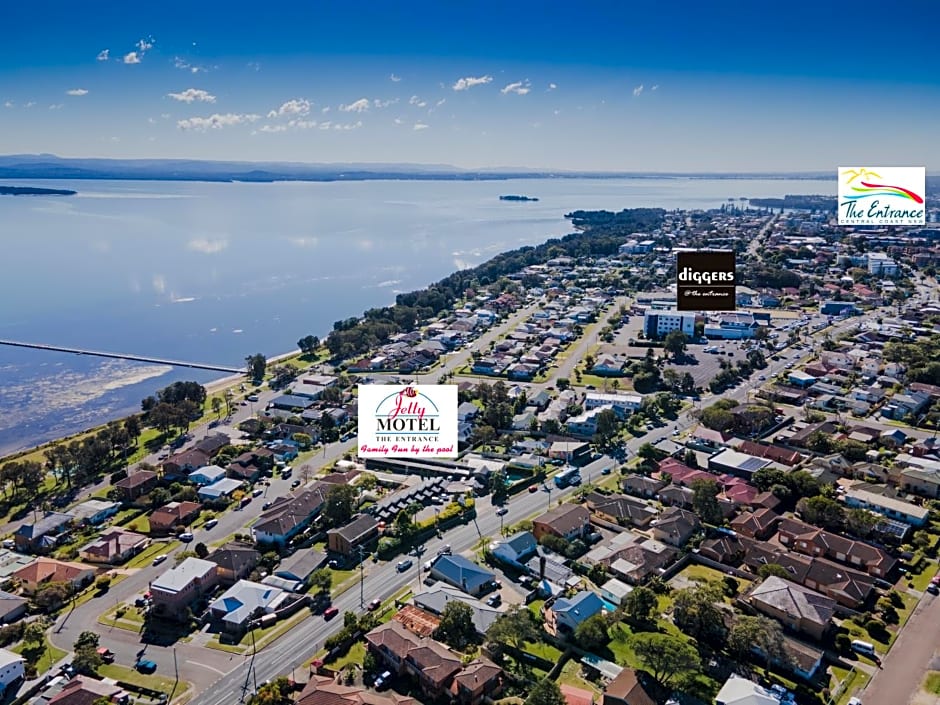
(213, 272)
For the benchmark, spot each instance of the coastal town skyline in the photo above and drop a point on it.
(536, 87)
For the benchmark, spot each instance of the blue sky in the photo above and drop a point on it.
(718, 86)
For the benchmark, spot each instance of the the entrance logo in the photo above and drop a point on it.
(407, 421)
(885, 195)
(705, 281)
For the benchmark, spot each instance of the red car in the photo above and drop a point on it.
(330, 612)
(935, 580)
(533, 488)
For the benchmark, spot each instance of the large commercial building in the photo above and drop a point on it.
(659, 324)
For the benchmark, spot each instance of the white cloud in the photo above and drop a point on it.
(347, 126)
(519, 88)
(56, 106)
(254, 65)
(359, 106)
(654, 87)
(440, 102)
(397, 121)
(302, 124)
(30, 104)
(184, 65)
(325, 125)
(151, 121)
(463, 84)
(325, 110)
(384, 103)
(8, 104)
(637, 91)
(273, 128)
(165, 116)
(192, 94)
(144, 45)
(296, 106)
(305, 241)
(76, 91)
(416, 101)
(159, 283)
(552, 86)
(216, 121)
(420, 126)
(207, 247)
(131, 58)
(104, 55)
(394, 79)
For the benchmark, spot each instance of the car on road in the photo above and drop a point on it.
(145, 666)
(375, 604)
(295, 484)
(159, 559)
(404, 565)
(502, 511)
(186, 536)
(854, 701)
(494, 600)
(605, 471)
(935, 579)
(382, 680)
(257, 492)
(933, 589)
(330, 612)
(533, 488)
(245, 501)
(444, 551)
(211, 524)
(675, 432)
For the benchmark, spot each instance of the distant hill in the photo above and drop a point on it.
(33, 191)
(50, 166)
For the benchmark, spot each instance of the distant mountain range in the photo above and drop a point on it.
(49, 166)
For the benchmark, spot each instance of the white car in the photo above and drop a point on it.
(854, 701)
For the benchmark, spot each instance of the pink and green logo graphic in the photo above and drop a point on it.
(869, 186)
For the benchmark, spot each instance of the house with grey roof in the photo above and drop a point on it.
(245, 601)
(437, 598)
(796, 607)
(564, 615)
(295, 571)
(179, 588)
(463, 574)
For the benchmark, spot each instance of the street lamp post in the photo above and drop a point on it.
(362, 579)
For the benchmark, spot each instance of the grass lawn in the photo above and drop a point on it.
(922, 579)
(214, 643)
(595, 381)
(342, 581)
(355, 655)
(93, 592)
(50, 656)
(570, 674)
(146, 556)
(857, 681)
(129, 675)
(932, 683)
(543, 650)
(131, 620)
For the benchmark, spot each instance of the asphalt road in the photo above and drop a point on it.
(903, 669)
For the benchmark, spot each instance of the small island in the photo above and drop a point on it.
(793, 202)
(33, 191)
(517, 198)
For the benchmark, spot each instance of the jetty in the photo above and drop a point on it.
(123, 356)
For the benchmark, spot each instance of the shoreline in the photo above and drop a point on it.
(212, 387)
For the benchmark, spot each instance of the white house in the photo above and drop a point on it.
(207, 475)
(12, 668)
(622, 404)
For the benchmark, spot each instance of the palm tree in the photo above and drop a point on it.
(216, 406)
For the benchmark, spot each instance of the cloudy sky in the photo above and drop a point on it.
(719, 86)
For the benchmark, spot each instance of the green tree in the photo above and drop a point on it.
(676, 342)
(545, 692)
(217, 404)
(667, 657)
(821, 511)
(368, 481)
(860, 522)
(774, 569)
(456, 628)
(159, 496)
(201, 550)
(640, 603)
(608, 426)
(87, 638)
(275, 692)
(52, 595)
(340, 503)
(321, 581)
(716, 418)
(86, 660)
(34, 632)
(308, 344)
(498, 489)
(749, 632)
(705, 501)
(256, 366)
(591, 634)
(514, 628)
(696, 613)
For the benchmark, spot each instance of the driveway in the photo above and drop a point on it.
(903, 669)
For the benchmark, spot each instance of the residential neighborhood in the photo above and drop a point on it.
(647, 506)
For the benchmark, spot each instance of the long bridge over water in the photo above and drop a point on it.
(123, 356)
